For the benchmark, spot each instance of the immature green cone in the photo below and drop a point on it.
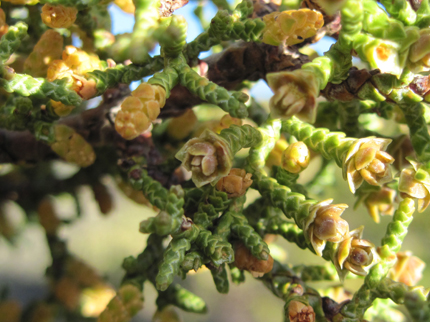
(380, 203)
(366, 160)
(408, 269)
(415, 183)
(291, 27)
(209, 157)
(324, 224)
(295, 93)
(296, 157)
(299, 312)
(235, 183)
(354, 254)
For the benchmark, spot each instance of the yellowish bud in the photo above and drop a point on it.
(72, 147)
(291, 27)
(181, 127)
(58, 16)
(47, 49)
(296, 157)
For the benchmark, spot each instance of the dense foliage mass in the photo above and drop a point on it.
(197, 174)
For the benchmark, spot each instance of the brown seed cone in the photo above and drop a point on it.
(243, 259)
(235, 183)
(299, 312)
(103, 197)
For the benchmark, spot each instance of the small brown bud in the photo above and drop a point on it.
(243, 259)
(103, 197)
(296, 157)
(235, 183)
(47, 216)
(299, 312)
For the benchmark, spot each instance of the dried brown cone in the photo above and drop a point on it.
(408, 269)
(243, 259)
(325, 224)
(235, 183)
(367, 161)
(299, 312)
